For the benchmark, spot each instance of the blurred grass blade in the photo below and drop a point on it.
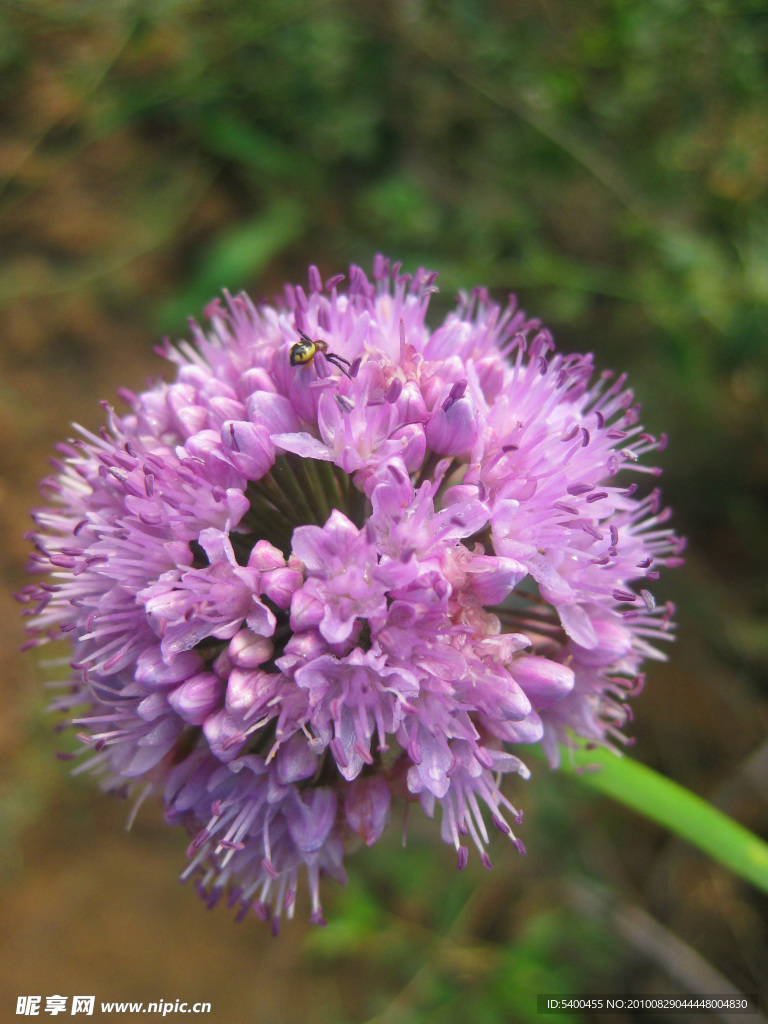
(246, 145)
(236, 258)
(674, 807)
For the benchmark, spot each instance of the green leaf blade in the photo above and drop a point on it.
(674, 807)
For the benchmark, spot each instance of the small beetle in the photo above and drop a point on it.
(304, 351)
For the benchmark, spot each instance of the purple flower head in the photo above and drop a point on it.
(299, 582)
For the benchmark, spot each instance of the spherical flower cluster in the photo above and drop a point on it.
(343, 558)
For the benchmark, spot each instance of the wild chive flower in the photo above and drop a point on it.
(299, 581)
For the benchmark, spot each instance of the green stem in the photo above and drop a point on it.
(672, 806)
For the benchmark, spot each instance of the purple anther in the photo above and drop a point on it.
(197, 842)
(394, 391)
(228, 844)
(214, 896)
(380, 267)
(315, 281)
(269, 868)
(301, 299)
(456, 392)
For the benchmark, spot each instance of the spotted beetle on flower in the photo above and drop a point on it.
(303, 353)
(293, 595)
